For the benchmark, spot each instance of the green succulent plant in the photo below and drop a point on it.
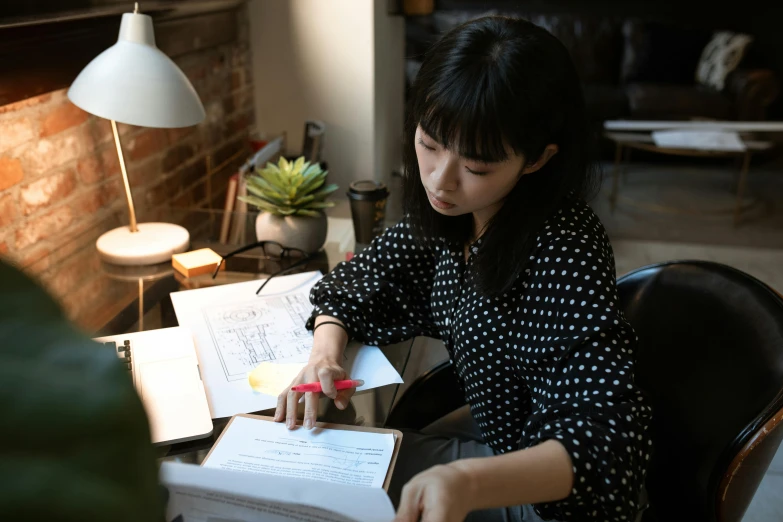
(290, 188)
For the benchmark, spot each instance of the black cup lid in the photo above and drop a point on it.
(367, 190)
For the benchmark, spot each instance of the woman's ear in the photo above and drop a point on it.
(549, 151)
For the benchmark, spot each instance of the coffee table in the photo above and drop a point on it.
(138, 298)
(625, 142)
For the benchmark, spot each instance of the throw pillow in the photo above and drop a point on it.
(721, 56)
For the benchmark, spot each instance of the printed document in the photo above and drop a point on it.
(235, 330)
(699, 139)
(199, 494)
(355, 458)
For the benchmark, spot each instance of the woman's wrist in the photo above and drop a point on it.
(329, 340)
(329, 354)
(470, 491)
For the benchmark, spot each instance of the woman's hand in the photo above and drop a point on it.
(325, 370)
(439, 494)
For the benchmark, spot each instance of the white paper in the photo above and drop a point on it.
(200, 494)
(699, 139)
(354, 458)
(235, 330)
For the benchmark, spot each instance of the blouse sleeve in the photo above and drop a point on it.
(585, 395)
(382, 295)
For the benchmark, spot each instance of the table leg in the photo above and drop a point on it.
(141, 305)
(625, 161)
(741, 185)
(618, 156)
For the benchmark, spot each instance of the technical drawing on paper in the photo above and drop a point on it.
(264, 329)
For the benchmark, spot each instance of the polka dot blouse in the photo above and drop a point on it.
(552, 358)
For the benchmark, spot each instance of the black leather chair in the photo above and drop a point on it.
(711, 361)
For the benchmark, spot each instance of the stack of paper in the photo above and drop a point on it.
(198, 494)
(236, 330)
(699, 139)
(260, 470)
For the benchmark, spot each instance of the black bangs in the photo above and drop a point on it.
(461, 117)
(489, 87)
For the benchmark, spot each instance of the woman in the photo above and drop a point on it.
(500, 258)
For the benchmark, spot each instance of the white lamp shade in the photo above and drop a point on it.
(133, 82)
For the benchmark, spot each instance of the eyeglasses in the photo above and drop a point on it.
(271, 250)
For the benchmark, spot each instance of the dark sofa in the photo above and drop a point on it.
(630, 68)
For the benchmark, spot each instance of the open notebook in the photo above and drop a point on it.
(259, 470)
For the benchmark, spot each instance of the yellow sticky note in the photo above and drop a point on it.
(271, 378)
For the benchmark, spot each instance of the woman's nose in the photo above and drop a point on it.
(444, 177)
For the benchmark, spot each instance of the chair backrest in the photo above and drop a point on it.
(711, 361)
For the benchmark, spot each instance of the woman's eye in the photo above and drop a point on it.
(421, 142)
(476, 172)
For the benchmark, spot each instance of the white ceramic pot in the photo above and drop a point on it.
(302, 232)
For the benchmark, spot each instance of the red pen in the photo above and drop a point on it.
(316, 386)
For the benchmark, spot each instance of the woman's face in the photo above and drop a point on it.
(456, 185)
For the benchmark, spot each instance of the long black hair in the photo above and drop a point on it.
(487, 84)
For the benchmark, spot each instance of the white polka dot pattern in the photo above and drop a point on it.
(550, 359)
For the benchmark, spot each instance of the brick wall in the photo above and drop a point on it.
(60, 182)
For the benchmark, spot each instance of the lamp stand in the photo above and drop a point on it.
(139, 244)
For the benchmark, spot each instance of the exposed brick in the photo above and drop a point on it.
(90, 170)
(24, 104)
(15, 132)
(43, 227)
(243, 99)
(199, 192)
(100, 129)
(194, 172)
(45, 191)
(61, 118)
(11, 172)
(239, 123)
(48, 154)
(76, 237)
(177, 135)
(176, 156)
(239, 78)
(229, 105)
(144, 174)
(7, 210)
(72, 271)
(96, 198)
(164, 192)
(88, 203)
(240, 56)
(110, 162)
(195, 73)
(146, 143)
(36, 260)
(229, 149)
(184, 200)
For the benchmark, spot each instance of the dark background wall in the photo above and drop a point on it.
(762, 20)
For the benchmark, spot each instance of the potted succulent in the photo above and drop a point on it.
(291, 197)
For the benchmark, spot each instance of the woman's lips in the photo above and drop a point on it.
(438, 202)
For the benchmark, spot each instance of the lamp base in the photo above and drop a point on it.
(152, 243)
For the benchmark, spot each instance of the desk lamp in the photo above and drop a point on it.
(133, 82)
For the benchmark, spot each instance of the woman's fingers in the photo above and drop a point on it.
(311, 409)
(292, 399)
(327, 376)
(280, 409)
(409, 509)
(343, 398)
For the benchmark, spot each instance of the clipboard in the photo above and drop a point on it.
(327, 425)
